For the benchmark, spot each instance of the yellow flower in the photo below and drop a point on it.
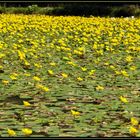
(99, 87)
(26, 63)
(78, 52)
(81, 49)
(80, 79)
(13, 77)
(26, 103)
(91, 72)
(95, 47)
(124, 73)
(123, 99)
(42, 87)
(117, 72)
(75, 113)
(133, 131)
(53, 64)
(5, 82)
(112, 67)
(134, 121)
(45, 89)
(27, 74)
(100, 52)
(36, 78)
(27, 131)
(71, 63)
(2, 55)
(50, 72)
(37, 65)
(64, 75)
(106, 64)
(39, 86)
(133, 68)
(14, 74)
(129, 58)
(84, 69)
(21, 55)
(1, 67)
(11, 132)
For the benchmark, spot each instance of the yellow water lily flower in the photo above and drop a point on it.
(92, 72)
(129, 58)
(39, 86)
(112, 67)
(84, 69)
(2, 55)
(14, 74)
(123, 99)
(124, 73)
(26, 63)
(1, 67)
(26, 103)
(37, 65)
(133, 68)
(21, 55)
(71, 63)
(36, 78)
(99, 87)
(117, 72)
(80, 79)
(11, 132)
(50, 72)
(27, 74)
(27, 131)
(133, 131)
(46, 89)
(5, 82)
(106, 63)
(134, 121)
(53, 64)
(13, 77)
(75, 113)
(64, 75)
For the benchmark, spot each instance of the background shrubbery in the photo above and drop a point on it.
(77, 10)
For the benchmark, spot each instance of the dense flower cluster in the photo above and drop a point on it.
(43, 53)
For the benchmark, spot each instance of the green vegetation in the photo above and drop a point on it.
(76, 10)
